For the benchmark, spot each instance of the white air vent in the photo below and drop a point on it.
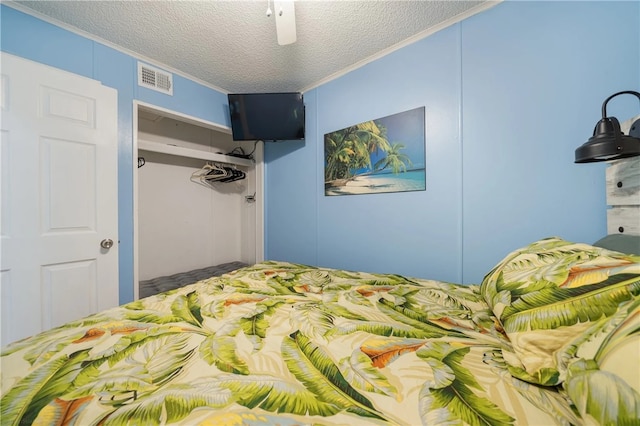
(154, 78)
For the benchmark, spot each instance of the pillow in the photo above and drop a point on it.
(620, 242)
(558, 302)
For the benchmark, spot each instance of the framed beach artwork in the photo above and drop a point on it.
(382, 155)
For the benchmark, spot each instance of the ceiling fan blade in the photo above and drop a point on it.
(285, 21)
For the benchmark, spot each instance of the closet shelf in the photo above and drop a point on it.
(193, 153)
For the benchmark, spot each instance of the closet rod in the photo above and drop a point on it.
(192, 153)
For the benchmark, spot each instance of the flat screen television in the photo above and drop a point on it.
(266, 116)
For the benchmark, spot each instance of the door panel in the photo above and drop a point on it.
(59, 200)
(58, 281)
(67, 185)
(5, 302)
(68, 107)
(5, 187)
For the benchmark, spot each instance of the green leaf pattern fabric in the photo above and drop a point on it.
(290, 344)
(572, 314)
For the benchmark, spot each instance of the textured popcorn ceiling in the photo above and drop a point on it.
(232, 45)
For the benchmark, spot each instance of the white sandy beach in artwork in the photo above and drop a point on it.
(408, 181)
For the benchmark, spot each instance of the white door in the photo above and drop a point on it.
(59, 197)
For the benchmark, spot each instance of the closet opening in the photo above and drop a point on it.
(198, 207)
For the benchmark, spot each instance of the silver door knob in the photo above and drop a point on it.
(106, 243)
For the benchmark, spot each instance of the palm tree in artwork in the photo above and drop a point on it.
(394, 159)
(338, 154)
(349, 149)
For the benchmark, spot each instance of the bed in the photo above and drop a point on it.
(551, 336)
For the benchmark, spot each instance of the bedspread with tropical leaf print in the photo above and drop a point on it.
(288, 344)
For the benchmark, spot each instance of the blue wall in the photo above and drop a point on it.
(534, 76)
(509, 94)
(28, 37)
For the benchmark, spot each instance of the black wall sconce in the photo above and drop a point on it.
(608, 142)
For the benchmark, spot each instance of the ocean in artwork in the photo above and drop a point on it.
(412, 180)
